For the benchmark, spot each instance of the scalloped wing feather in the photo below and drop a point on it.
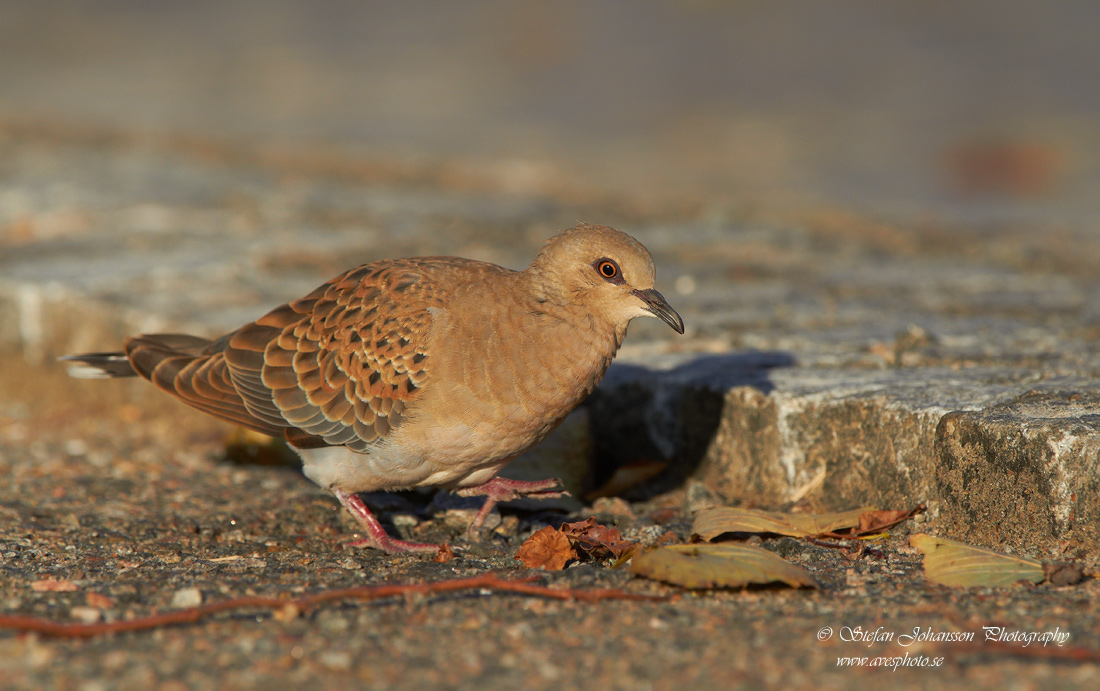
(343, 363)
(193, 369)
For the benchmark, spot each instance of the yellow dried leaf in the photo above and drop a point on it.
(718, 566)
(958, 564)
(710, 523)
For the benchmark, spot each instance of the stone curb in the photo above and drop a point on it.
(1009, 462)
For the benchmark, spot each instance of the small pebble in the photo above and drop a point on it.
(333, 624)
(339, 660)
(85, 615)
(404, 520)
(187, 597)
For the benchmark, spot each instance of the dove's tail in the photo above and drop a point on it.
(191, 368)
(99, 365)
(147, 351)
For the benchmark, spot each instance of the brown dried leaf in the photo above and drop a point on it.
(50, 585)
(958, 564)
(547, 549)
(876, 521)
(444, 555)
(1063, 572)
(710, 523)
(718, 566)
(596, 540)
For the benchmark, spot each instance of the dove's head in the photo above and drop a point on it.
(607, 271)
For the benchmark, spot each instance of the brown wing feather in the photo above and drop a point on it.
(339, 366)
(342, 363)
(193, 369)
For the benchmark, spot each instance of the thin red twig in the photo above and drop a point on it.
(190, 615)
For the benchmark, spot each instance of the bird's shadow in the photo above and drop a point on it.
(646, 415)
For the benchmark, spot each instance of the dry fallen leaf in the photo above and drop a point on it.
(718, 566)
(444, 555)
(876, 521)
(710, 523)
(548, 549)
(50, 585)
(1063, 573)
(552, 548)
(957, 564)
(597, 540)
(713, 522)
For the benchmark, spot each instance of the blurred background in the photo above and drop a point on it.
(973, 112)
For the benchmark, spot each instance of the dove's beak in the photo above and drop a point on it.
(656, 303)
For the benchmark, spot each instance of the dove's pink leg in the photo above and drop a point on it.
(502, 489)
(377, 537)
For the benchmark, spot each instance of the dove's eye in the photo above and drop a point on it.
(609, 270)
